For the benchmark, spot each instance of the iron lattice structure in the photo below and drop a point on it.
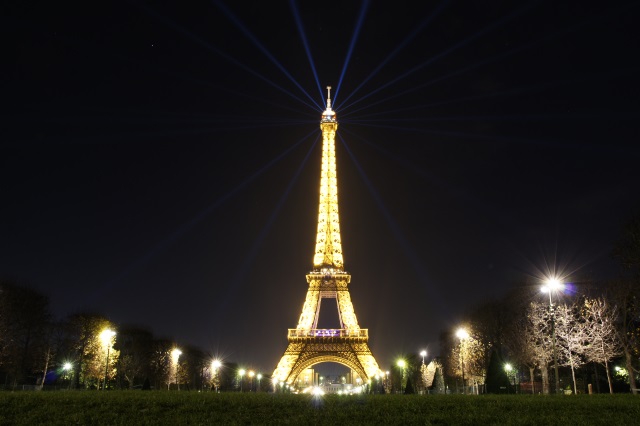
(309, 345)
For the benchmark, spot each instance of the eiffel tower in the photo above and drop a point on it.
(309, 345)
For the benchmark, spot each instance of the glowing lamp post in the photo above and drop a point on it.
(251, 374)
(423, 354)
(462, 334)
(175, 356)
(553, 285)
(215, 366)
(66, 368)
(402, 364)
(508, 368)
(259, 376)
(241, 373)
(106, 337)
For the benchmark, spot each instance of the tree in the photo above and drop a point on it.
(136, 346)
(24, 317)
(429, 372)
(572, 337)
(465, 357)
(438, 381)
(408, 389)
(536, 341)
(160, 364)
(90, 349)
(625, 294)
(604, 344)
(497, 378)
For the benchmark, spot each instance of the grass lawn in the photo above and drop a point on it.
(194, 408)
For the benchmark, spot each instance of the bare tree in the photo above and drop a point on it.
(572, 337)
(600, 327)
(536, 347)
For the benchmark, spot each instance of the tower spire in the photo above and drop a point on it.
(328, 244)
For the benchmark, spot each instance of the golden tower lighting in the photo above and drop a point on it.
(309, 345)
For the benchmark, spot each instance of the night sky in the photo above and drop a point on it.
(160, 164)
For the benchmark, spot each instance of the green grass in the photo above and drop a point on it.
(193, 408)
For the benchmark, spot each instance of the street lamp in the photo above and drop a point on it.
(402, 364)
(462, 334)
(215, 366)
(241, 373)
(552, 285)
(106, 337)
(251, 374)
(66, 368)
(508, 368)
(423, 354)
(175, 356)
(259, 376)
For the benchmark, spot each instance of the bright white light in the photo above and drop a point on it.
(215, 364)
(508, 367)
(462, 334)
(552, 284)
(67, 366)
(175, 354)
(401, 363)
(106, 336)
(423, 353)
(317, 391)
(241, 372)
(259, 376)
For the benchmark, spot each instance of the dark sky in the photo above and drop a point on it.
(159, 165)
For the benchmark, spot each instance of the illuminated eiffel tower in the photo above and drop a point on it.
(309, 345)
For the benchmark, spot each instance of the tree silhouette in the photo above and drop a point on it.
(408, 390)
(497, 379)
